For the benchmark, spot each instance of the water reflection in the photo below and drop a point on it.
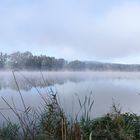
(29, 80)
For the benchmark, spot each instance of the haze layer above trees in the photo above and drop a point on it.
(28, 61)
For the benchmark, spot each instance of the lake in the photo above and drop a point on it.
(106, 87)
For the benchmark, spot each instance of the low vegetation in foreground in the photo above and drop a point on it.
(50, 122)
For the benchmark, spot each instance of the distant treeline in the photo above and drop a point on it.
(28, 61)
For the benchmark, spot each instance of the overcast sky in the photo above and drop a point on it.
(100, 30)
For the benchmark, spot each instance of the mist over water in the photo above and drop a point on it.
(107, 87)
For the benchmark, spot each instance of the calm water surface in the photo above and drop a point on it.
(107, 87)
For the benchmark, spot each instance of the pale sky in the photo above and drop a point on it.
(99, 30)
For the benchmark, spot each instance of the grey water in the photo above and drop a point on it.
(106, 87)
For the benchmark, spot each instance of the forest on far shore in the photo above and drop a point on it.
(28, 61)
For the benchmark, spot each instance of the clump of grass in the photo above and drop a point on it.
(52, 121)
(9, 131)
(116, 126)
